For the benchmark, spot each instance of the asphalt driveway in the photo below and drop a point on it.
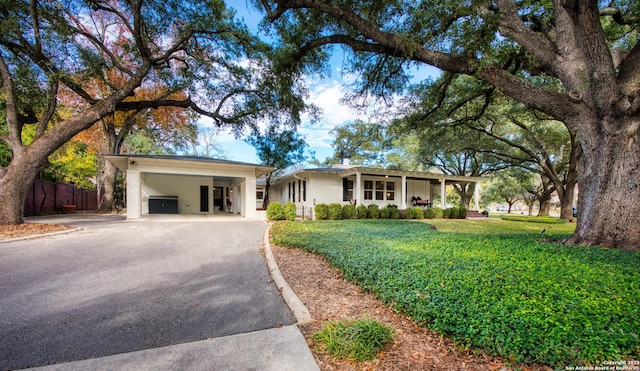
(118, 286)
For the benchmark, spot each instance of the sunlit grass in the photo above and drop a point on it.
(495, 226)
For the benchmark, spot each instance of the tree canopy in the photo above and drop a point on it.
(577, 61)
(101, 55)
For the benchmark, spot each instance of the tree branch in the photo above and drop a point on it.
(512, 25)
(11, 110)
(52, 103)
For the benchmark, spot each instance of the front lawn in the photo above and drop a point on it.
(508, 293)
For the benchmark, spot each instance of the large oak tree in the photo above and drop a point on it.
(102, 52)
(589, 48)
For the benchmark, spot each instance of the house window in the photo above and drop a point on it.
(293, 191)
(368, 189)
(299, 190)
(259, 194)
(391, 187)
(289, 187)
(379, 190)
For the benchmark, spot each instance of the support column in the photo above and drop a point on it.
(358, 195)
(249, 198)
(134, 203)
(443, 194)
(403, 192)
(476, 197)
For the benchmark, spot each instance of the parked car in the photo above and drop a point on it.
(575, 212)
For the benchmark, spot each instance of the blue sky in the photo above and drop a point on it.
(325, 94)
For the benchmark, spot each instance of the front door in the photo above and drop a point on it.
(204, 199)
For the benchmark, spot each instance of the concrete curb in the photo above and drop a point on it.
(298, 308)
(40, 235)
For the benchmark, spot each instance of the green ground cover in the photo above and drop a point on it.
(495, 286)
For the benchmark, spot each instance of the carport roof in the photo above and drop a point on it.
(123, 161)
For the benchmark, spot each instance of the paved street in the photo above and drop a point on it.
(119, 286)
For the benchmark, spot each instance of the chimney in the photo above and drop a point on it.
(345, 161)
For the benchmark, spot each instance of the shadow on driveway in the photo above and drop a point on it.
(117, 287)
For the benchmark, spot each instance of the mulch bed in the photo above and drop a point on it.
(8, 231)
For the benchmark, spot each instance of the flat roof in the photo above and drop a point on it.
(122, 161)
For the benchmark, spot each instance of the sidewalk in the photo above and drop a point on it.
(279, 349)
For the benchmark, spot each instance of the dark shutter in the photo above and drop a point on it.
(345, 192)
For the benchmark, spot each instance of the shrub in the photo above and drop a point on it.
(275, 211)
(290, 211)
(348, 211)
(360, 340)
(429, 213)
(389, 212)
(335, 211)
(413, 213)
(361, 212)
(447, 213)
(373, 212)
(451, 213)
(462, 213)
(322, 211)
(438, 213)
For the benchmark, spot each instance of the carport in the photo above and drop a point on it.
(188, 185)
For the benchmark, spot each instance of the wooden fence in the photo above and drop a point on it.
(45, 198)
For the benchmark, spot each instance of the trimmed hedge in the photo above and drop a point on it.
(335, 211)
(348, 211)
(322, 211)
(290, 211)
(275, 211)
(373, 212)
(413, 213)
(361, 212)
(390, 212)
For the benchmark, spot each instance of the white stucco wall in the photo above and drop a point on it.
(187, 188)
(418, 188)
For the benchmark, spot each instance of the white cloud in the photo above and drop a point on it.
(327, 96)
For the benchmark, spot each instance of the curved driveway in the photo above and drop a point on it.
(119, 286)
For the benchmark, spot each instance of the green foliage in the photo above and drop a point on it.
(348, 211)
(322, 211)
(360, 340)
(275, 211)
(361, 212)
(335, 211)
(496, 288)
(413, 213)
(363, 143)
(74, 164)
(429, 213)
(462, 213)
(373, 212)
(438, 213)
(289, 211)
(389, 212)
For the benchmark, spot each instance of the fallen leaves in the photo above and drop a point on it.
(8, 231)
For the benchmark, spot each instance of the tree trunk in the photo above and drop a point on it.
(610, 189)
(109, 175)
(545, 206)
(14, 183)
(466, 193)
